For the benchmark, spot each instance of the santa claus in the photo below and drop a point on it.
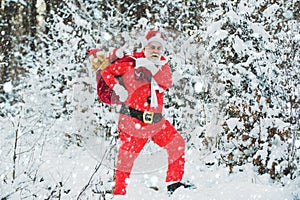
(145, 77)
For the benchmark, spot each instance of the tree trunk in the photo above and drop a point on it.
(9, 11)
(33, 24)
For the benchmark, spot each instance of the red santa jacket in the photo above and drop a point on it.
(139, 92)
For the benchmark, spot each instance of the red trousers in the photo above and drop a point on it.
(134, 135)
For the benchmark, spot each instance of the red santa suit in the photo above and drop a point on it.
(141, 120)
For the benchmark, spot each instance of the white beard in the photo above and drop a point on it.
(156, 60)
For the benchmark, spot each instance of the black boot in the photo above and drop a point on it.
(174, 186)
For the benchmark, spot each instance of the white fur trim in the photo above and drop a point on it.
(154, 87)
(157, 39)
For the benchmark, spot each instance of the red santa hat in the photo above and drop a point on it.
(154, 36)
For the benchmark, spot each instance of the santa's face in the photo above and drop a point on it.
(153, 51)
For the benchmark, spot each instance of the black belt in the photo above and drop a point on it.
(146, 116)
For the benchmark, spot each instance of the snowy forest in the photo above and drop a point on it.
(235, 97)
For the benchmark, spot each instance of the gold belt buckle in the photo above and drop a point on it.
(148, 117)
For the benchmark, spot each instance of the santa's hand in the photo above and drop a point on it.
(121, 92)
(142, 74)
(146, 63)
(115, 53)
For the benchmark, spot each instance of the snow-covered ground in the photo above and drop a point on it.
(212, 182)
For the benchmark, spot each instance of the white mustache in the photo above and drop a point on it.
(157, 55)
